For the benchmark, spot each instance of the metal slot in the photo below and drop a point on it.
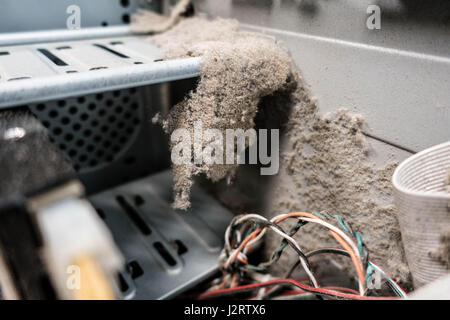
(135, 269)
(111, 50)
(52, 57)
(164, 254)
(134, 215)
(19, 78)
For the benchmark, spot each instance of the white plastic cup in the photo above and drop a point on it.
(423, 205)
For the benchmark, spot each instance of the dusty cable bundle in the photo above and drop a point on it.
(240, 276)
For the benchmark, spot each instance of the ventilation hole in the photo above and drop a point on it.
(134, 269)
(4, 53)
(46, 124)
(138, 200)
(73, 152)
(50, 56)
(84, 116)
(90, 148)
(124, 3)
(76, 127)
(164, 254)
(65, 120)
(119, 109)
(97, 68)
(123, 285)
(133, 90)
(158, 60)
(93, 163)
(109, 103)
(121, 55)
(99, 96)
(114, 43)
(104, 24)
(63, 48)
(53, 114)
(180, 248)
(134, 106)
(87, 133)
(138, 62)
(81, 100)
(92, 106)
(130, 130)
(73, 110)
(19, 78)
(68, 137)
(62, 103)
(134, 215)
(101, 112)
(77, 167)
(62, 146)
(104, 129)
(126, 18)
(116, 93)
(112, 118)
(106, 144)
(94, 123)
(100, 153)
(97, 138)
(126, 99)
(123, 139)
(40, 107)
(121, 125)
(83, 158)
(71, 71)
(127, 115)
(57, 131)
(129, 160)
(80, 143)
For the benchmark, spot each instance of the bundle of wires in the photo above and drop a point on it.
(246, 231)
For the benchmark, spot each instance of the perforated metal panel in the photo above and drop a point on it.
(93, 130)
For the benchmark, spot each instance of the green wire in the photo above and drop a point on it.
(341, 222)
(317, 213)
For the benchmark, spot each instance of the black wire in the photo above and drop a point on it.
(309, 255)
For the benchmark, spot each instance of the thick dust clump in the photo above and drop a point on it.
(238, 69)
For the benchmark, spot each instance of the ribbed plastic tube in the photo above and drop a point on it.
(423, 203)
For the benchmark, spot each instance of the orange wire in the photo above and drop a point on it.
(243, 243)
(336, 236)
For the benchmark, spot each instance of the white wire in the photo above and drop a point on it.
(329, 226)
(258, 217)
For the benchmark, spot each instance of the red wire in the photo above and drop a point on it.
(294, 283)
(341, 289)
